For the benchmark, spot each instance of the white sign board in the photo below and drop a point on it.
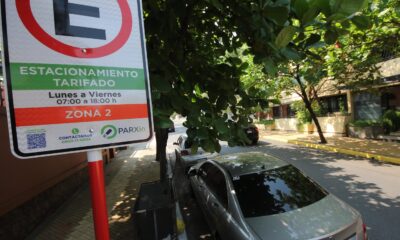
(76, 75)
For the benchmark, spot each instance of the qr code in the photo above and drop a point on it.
(37, 140)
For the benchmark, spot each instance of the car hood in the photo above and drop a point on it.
(326, 216)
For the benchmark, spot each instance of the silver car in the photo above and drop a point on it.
(257, 196)
(184, 155)
(184, 147)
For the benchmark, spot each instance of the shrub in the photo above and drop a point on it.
(391, 120)
(300, 127)
(266, 122)
(365, 123)
(302, 114)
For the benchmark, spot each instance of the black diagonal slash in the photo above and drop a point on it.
(62, 10)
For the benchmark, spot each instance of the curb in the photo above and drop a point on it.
(347, 151)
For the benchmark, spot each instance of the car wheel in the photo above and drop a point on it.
(254, 142)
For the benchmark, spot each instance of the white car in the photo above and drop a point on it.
(184, 155)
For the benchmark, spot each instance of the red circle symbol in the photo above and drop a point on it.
(25, 13)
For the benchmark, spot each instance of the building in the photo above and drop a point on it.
(342, 106)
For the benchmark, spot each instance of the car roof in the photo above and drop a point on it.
(250, 162)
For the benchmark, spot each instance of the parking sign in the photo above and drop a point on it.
(76, 75)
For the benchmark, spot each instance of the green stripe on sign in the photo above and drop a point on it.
(28, 76)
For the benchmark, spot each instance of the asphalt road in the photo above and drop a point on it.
(371, 187)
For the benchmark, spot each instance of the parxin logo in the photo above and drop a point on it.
(110, 131)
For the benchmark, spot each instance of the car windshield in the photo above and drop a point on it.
(275, 191)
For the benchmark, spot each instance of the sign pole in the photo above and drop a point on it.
(97, 189)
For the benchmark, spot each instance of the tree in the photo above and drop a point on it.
(355, 61)
(291, 38)
(255, 81)
(192, 75)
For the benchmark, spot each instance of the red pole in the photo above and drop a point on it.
(97, 189)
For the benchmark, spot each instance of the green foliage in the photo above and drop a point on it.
(354, 60)
(195, 69)
(347, 7)
(309, 31)
(255, 81)
(362, 22)
(391, 120)
(342, 107)
(296, 54)
(266, 122)
(365, 123)
(302, 114)
(300, 127)
(285, 36)
(191, 73)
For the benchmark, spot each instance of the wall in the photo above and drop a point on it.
(21, 180)
(334, 126)
(286, 124)
(390, 67)
(331, 126)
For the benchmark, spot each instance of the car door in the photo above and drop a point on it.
(178, 148)
(203, 194)
(217, 204)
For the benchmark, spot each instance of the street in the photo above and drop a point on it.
(369, 186)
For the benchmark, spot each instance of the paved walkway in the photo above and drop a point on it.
(379, 150)
(123, 178)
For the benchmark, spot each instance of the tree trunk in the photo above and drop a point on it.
(309, 108)
(315, 119)
(161, 154)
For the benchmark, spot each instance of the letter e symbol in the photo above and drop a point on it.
(62, 10)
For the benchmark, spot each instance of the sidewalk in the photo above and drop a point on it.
(379, 150)
(123, 178)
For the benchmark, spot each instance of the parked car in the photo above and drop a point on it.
(171, 129)
(193, 159)
(2, 103)
(257, 196)
(252, 134)
(184, 155)
(184, 147)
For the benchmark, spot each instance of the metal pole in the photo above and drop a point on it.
(98, 194)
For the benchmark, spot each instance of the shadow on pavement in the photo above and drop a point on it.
(122, 219)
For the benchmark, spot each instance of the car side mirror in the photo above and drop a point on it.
(175, 143)
(192, 172)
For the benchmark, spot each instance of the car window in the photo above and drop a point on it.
(275, 191)
(215, 180)
(203, 170)
(188, 143)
